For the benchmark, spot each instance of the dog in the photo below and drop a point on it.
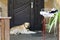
(20, 29)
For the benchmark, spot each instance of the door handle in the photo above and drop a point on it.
(31, 4)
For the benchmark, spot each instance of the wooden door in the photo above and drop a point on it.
(21, 11)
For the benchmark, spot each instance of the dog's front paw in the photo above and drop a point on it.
(12, 33)
(27, 29)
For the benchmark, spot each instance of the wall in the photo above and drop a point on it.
(3, 4)
(57, 5)
(48, 3)
(52, 3)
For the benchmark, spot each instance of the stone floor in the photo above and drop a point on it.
(37, 36)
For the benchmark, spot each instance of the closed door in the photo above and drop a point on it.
(25, 11)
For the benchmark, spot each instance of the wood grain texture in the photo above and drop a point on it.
(7, 29)
(0, 32)
(4, 29)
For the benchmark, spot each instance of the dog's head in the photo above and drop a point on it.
(26, 24)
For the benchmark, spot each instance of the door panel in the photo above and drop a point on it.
(22, 16)
(38, 5)
(20, 11)
(20, 3)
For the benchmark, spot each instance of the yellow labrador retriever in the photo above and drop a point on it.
(20, 29)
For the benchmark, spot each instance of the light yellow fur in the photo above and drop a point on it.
(20, 28)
